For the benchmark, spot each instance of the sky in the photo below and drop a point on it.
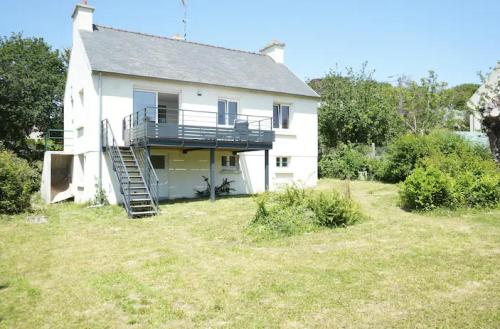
(455, 38)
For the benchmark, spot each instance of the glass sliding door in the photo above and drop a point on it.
(145, 104)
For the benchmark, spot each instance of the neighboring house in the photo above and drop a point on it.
(489, 87)
(171, 111)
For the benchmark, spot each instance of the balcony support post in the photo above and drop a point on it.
(266, 170)
(212, 175)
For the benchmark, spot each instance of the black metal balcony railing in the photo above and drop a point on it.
(186, 128)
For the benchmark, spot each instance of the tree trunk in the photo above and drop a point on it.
(492, 125)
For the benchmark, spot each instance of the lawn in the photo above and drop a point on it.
(193, 266)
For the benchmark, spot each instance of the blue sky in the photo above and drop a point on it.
(455, 38)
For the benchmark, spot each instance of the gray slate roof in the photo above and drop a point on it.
(117, 51)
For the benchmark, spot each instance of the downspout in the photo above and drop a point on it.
(100, 135)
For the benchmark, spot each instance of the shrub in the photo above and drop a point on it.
(17, 182)
(450, 181)
(407, 152)
(331, 210)
(426, 189)
(346, 161)
(296, 210)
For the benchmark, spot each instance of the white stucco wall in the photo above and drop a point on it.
(299, 142)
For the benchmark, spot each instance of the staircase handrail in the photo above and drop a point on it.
(113, 149)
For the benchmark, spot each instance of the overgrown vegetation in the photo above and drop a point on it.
(297, 210)
(406, 152)
(347, 161)
(17, 182)
(452, 181)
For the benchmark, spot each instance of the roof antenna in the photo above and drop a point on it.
(184, 21)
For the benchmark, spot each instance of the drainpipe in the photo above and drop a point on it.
(100, 134)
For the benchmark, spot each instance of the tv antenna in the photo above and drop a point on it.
(184, 20)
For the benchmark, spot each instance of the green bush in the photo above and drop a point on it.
(407, 152)
(426, 189)
(297, 210)
(346, 161)
(17, 182)
(331, 210)
(452, 180)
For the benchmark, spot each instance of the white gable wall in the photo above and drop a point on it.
(299, 142)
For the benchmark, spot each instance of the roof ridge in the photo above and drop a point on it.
(173, 39)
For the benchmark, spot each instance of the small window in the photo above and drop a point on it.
(79, 132)
(228, 161)
(282, 162)
(227, 112)
(281, 116)
(158, 161)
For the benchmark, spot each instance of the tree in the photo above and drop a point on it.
(423, 105)
(32, 78)
(356, 109)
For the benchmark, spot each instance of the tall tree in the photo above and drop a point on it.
(32, 78)
(356, 109)
(423, 107)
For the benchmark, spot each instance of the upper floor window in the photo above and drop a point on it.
(227, 111)
(281, 116)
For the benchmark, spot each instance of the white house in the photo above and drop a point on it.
(489, 88)
(151, 115)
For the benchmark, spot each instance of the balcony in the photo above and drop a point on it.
(176, 128)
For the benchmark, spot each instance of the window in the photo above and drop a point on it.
(158, 161)
(227, 111)
(281, 116)
(282, 162)
(228, 161)
(79, 132)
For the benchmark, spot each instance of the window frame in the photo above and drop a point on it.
(226, 111)
(227, 160)
(280, 115)
(154, 162)
(282, 164)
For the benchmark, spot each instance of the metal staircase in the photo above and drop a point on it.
(134, 188)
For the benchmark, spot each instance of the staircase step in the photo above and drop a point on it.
(143, 212)
(140, 200)
(142, 206)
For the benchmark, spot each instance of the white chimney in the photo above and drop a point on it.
(275, 50)
(82, 17)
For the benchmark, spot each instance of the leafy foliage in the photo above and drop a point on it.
(296, 210)
(346, 161)
(18, 182)
(356, 109)
(452, 180)
(405, 153)
(32, 78)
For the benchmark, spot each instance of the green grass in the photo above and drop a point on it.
(193, 266)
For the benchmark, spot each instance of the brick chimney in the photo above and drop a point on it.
(275, 50)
